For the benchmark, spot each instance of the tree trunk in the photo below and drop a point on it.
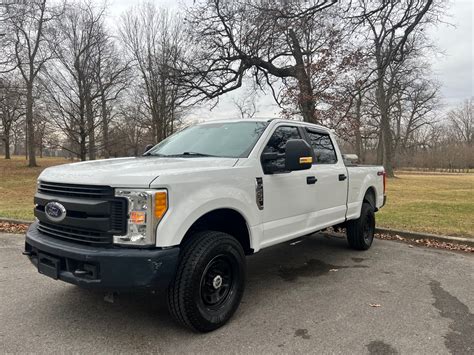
(387, 146)
(155, 124)
(358, 135)
(163, 117)
(386, 133)
(379, 151)
(26, 143)
(305, 95)
(105, 127)
(83, 147)
(30, 129)
(6, 139)
(90, 128)
(15, 144)
(41, 147)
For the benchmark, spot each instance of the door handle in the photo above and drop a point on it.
(342, 177)
(310, 180)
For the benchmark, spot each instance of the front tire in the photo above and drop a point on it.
(360, 232)
(209, 282)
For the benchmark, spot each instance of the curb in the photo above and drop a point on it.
(15, 221)
(416, 236)
(401, 233)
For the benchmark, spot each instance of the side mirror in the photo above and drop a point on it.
(148, 147)
(298, 155)
(270, 162)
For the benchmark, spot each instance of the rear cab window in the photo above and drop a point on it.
(323, 147)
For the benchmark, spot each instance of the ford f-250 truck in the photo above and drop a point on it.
(183, 216)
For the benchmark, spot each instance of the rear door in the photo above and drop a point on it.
(330, 190)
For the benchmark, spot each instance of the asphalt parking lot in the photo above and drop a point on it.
(317, 296)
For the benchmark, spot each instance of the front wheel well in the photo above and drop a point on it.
(224, 220)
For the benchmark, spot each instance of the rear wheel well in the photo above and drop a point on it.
(369, 197)
(223, 220)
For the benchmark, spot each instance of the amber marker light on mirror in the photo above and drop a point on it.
(306, 160)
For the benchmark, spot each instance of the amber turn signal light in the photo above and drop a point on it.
(161, 203)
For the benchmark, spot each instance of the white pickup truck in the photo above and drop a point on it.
(183, 216)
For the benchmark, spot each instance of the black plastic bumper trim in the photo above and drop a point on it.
(119, 269)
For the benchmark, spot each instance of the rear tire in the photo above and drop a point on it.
(209, 282)
(360, 232)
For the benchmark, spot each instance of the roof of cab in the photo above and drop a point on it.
(266, 119)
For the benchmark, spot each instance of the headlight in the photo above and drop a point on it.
(145, 210)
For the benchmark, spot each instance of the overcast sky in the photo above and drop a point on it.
(452, 65)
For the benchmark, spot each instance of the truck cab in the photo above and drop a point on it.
(183, 216)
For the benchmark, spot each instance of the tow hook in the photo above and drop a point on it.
(81, 273)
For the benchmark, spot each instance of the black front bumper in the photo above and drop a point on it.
(113, 268)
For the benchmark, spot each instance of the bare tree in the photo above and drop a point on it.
(462, 122)
(246, 103)
(273, 41)
(154, 41)
(112, 78)
(32, 36)
(86, 76)
(11, 109)
(393, 27)
(6, 55)
(354, 125)
(68, 79)
(415, 105)
(129, 132)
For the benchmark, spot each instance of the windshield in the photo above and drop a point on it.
(231, 140)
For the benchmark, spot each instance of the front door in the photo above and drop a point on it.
(286, 202)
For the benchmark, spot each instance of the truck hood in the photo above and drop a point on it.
(130, 172)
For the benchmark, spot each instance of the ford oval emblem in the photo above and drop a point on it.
(55, 211)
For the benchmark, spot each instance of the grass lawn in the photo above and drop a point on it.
(434, 203)
(18, 185)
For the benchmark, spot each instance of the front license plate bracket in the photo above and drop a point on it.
(48, 265)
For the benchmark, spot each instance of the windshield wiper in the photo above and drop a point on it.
(184, 154)
(196, 154)
(149, 154)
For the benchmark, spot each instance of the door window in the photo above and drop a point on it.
(277, 144)
(323, 148)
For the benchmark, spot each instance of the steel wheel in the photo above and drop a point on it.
(209, 282)
(217, 281)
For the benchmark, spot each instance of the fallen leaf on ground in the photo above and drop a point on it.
(427, 243)
(6, 227)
